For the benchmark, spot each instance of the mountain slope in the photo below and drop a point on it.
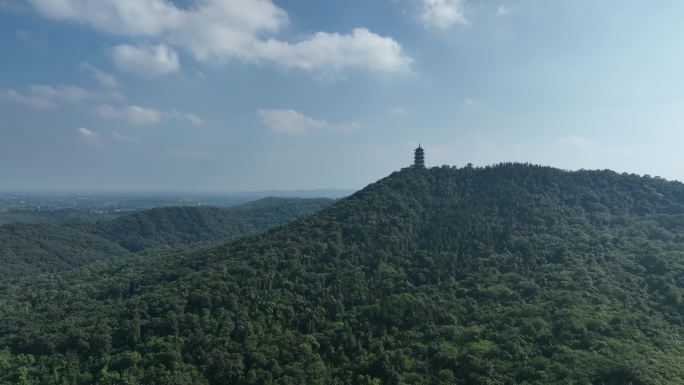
(30, 248)
(513, 274)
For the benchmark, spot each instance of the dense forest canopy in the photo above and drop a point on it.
(27, 248)
(512, 274)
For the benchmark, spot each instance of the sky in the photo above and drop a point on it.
(236, 95)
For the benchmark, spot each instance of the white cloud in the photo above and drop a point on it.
(133, 114)
(223, 29)
(194, 119)
(334, 52)
(126, 17)
(289, 121)
(218, 29)
(86, 133)
(42, 96)
(89, 136)
(146, 60)
(104, 78)
(70, 94)
(142, 116)
(443, 14)
(28, 100)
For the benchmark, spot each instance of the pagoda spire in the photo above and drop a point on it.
(419, 158)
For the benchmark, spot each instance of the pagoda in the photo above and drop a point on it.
(419, 158)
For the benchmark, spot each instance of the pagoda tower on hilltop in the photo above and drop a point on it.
(419, 158)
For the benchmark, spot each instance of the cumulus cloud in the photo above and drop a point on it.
(143, 116)
(128, 17)
(289, 121)
(443, 14)
(332, 51)
(41, 96)
(146, 60)
(222, 29)
(105, 79)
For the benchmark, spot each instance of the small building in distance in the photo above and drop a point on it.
(419, 158)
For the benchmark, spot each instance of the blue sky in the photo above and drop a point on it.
(215, 95)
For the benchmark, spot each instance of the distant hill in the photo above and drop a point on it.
(513, 274)
(27, 248)
(175, 226)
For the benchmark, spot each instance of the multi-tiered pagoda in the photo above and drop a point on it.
(419, 158)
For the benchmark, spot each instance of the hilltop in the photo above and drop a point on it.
(512, 274)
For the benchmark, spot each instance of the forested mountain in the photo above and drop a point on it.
(513, 274)
(35, 247)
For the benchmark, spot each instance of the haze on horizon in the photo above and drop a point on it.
(249, 95)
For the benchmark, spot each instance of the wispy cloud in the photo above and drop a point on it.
(138, 115)
(89, 136)
(41, 96)
(105, 79)
(289, 121)
(443, 14)
(70, 94)
(27, 100)
(133, 114)
(400, 111)
(192, 118)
